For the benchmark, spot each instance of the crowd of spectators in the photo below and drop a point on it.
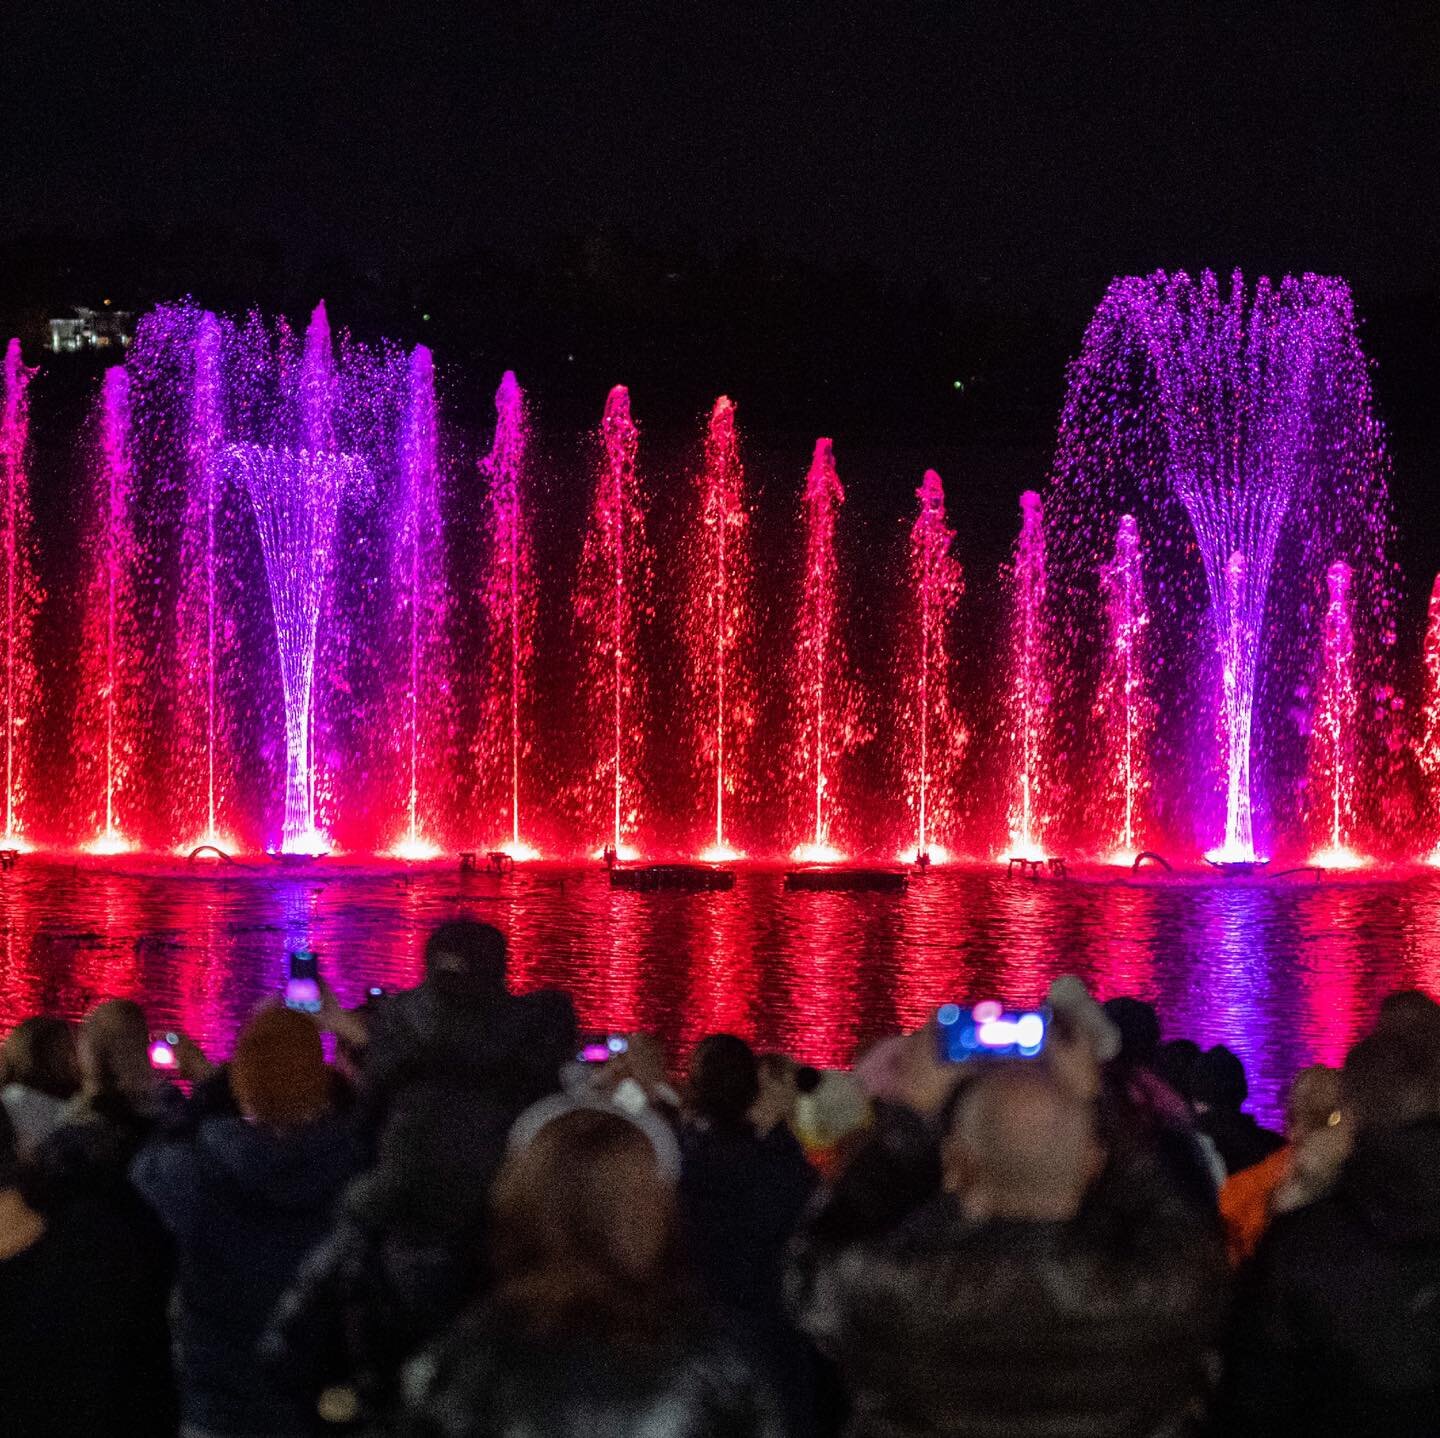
(458, 1228)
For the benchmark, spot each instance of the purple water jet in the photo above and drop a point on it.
(1333, 735)
(1124, 703)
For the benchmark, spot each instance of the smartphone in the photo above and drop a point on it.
(162, 1051)
(302, 992)
(990, 1030)
(603, 1050)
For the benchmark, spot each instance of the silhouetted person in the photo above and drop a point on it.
(591, 1328)
(1338, 1329)
(1218, 1090)
(82, 1347)
(1033, 1296)
(246, 1198)
(39, 1075)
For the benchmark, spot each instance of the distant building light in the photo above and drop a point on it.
(426, 317)
(87, 329)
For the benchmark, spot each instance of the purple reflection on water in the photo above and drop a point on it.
(1284, 974)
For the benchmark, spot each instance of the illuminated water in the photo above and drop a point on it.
(1285, 971)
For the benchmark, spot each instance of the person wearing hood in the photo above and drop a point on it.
(1338, 1329)
(246, 1197)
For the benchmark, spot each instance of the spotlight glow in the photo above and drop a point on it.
(817, 854)
(109, 843)
(519, 851)
(1338, 858)
(938, 854)
(719, 854)
(624, 853)
(414, 849)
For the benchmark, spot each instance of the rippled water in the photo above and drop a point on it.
(1285, 971)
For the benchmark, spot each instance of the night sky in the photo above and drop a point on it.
(1008, 143)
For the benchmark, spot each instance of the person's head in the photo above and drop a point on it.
(1022, 1146)
(40, 1054)
(114, 1051)
(465, 961)
(584, 1227)
(1388, 1081)
(1313, 1102)
(1082, 1037)
(1139, 1027)
(1410, 1014)
(9, 1153)
(277, 1072)
(778, 1091)
(724, 1080)
(1175, 1063)
(1217, 1081)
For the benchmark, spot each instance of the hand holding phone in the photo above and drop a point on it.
(302, 991)
(989, 1030)
(164, 1053)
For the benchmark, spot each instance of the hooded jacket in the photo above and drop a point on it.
(1338, 1327)
(245, 1204)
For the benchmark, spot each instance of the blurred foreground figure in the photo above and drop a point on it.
(590, 1328)
(1033, 1295)
(1338, 1330)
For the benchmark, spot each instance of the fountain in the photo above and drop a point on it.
(1124, 700)
(1029, 693)
(417, 562)
(296, 496)
(932, 734)
(1427, 742)
(717, 625)
(1247, 413)
(106, 708)
(611, 601)
(509, 600)
(826, 705)
(22, 590)
(1332, 778)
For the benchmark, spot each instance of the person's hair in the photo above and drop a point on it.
(1388, 1081)
(724, 1080)
(40, 1054)
(465, 959)
(1313, 1101)
(1412, 1014)
(1139, 1027)
(584, 1232)
(1175, 1063)
(9, 1151)
(1217, 1079)
(277, 1072)
(115, 1052)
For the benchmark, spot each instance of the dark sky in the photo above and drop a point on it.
(1035, 143)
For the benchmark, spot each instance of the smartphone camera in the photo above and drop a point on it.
(989, 1030)
(163, 1051)
(603, 1050)
(302, 991)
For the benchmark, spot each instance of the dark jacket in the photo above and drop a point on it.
(245, 1205)
(1337, 1330)
(1237, 1136)
(1095, 1327)
(488, 1381)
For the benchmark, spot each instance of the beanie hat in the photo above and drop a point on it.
(1069, 996)
(277, 1073)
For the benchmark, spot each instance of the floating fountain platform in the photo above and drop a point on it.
(675, 878)
(824, 879)
(1237, 868)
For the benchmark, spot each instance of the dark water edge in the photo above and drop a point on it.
(1286, 971)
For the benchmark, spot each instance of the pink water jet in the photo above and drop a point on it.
(717, 625)
(612, 600)
(107, 706)
(931, 730)
(1427, 742)
(1124, 699)
(22, 588)
(418, 569)
(1332, 757)
(1030, 684)
(509, 599)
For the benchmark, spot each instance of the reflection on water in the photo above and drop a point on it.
(1285, 974)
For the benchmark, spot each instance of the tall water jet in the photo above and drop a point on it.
(107, 706)
(932, 733)
(199, 621)
(296, 495)
(22, 589)
(612, 601)
(826, 706)
(509, 600)
(1332, 759)
(717, 625)
(1245, 414)
(1124, 700)
(1028, 720)
(417, 562)
(1427, 742)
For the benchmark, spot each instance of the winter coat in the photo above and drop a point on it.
(1337, 1330)
(245, 1204)
(1240, 1139)
(1099, 1326)
(486, 1380)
